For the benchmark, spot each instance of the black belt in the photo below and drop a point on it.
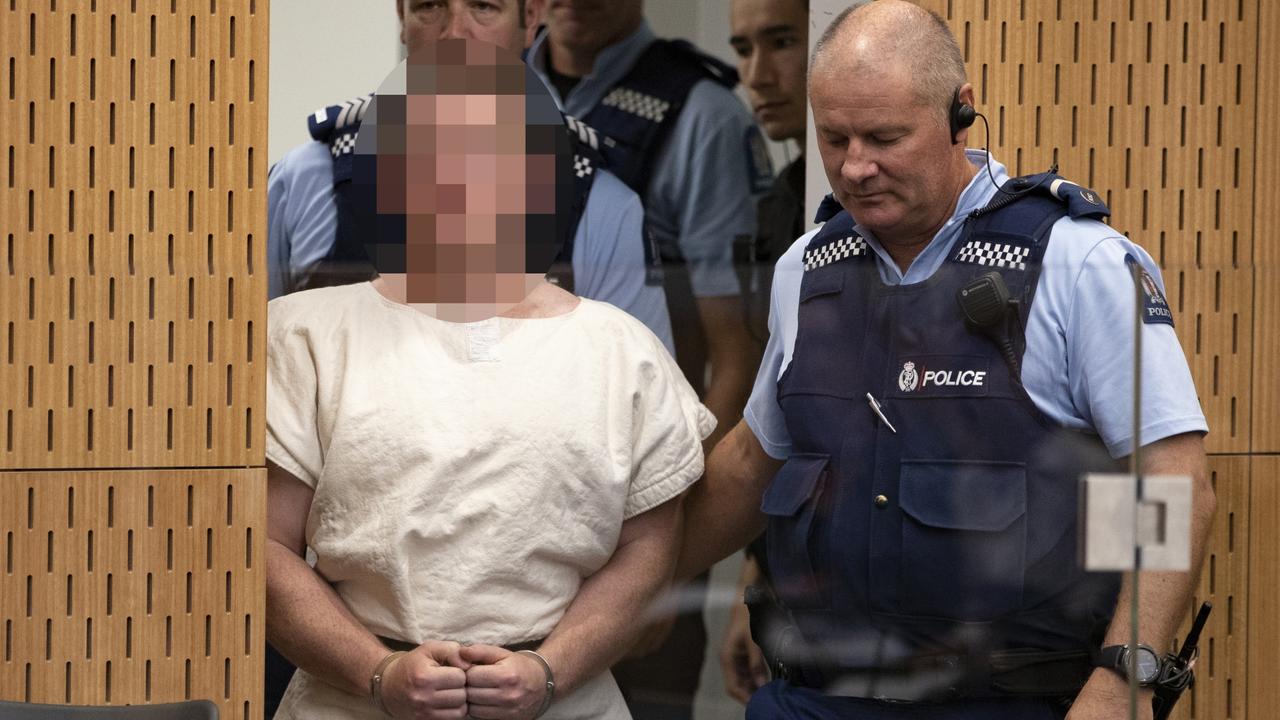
(407, 646)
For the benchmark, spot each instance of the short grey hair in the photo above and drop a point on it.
(923, 41)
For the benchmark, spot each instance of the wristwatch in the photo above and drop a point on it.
(1116, 657)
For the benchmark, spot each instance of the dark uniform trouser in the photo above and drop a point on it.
(780, 701)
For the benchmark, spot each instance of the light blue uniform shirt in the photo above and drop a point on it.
(1078, 366)
(608, 250)
(700, 195)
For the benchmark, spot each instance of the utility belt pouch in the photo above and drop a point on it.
(1040, 673)
(766, 616)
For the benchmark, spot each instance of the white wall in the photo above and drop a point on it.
(324, 52)
(821, 13)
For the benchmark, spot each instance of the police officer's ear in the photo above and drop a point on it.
(961, 114)
(532, 12)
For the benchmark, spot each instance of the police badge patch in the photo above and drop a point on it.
(908, 379)
(1155, 309)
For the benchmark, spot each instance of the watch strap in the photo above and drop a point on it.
(1115, 658)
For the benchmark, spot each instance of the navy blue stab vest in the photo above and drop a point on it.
(957, 533)
(636, 116)
(638, 113)
(338, 126)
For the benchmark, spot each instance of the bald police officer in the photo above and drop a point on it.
(918, 475)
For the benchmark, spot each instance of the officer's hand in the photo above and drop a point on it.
(740, 659)
(428, 683)
(1106, 697)
(503, 685)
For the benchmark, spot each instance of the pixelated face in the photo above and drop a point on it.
(465, 170)
(883, 149)
(497, 22)
(592, 25)
(770, 38)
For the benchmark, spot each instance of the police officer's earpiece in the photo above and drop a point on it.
(961, 115)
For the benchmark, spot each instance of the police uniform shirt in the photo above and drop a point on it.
(608, 250)
(1078, 366)
(700, 196)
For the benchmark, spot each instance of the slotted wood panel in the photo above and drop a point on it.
(1266, 191)
(134, 210)
(132, 375)
(1264, 584)
(133, 587)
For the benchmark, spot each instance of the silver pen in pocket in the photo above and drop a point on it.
(875, 408)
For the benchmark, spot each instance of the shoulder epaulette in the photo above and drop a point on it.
(337, 126)
(827, 209)
(1080, 202)
(329, 122)
(712, 67)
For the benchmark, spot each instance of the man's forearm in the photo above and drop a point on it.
(1162, 596)
(722, 512)
(606, 616)
(728, 390)
(734, 358)
(309, 624)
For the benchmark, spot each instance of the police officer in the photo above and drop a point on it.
(918, 474)
(609, 254)
(683, 141)
(771, 40)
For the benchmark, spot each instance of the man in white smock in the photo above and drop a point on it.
(487, 468)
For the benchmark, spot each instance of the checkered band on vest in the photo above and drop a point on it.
(845, 247)
(638, 103)
(344, 144)
(994, 254)
(582, 166)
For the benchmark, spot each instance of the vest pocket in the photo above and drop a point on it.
(964, 538)
(795, 506)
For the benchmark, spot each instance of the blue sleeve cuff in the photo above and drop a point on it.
(1123, 446)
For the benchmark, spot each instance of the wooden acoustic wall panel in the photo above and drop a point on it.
(133, 587)
(132, 205)
(1264, 585)
(1266, 190)
(1151, 103)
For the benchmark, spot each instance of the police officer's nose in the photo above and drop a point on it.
(859, 165)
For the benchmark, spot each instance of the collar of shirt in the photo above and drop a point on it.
(612, 64)
(976, 194)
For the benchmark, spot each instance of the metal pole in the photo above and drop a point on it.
(1135, 460)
